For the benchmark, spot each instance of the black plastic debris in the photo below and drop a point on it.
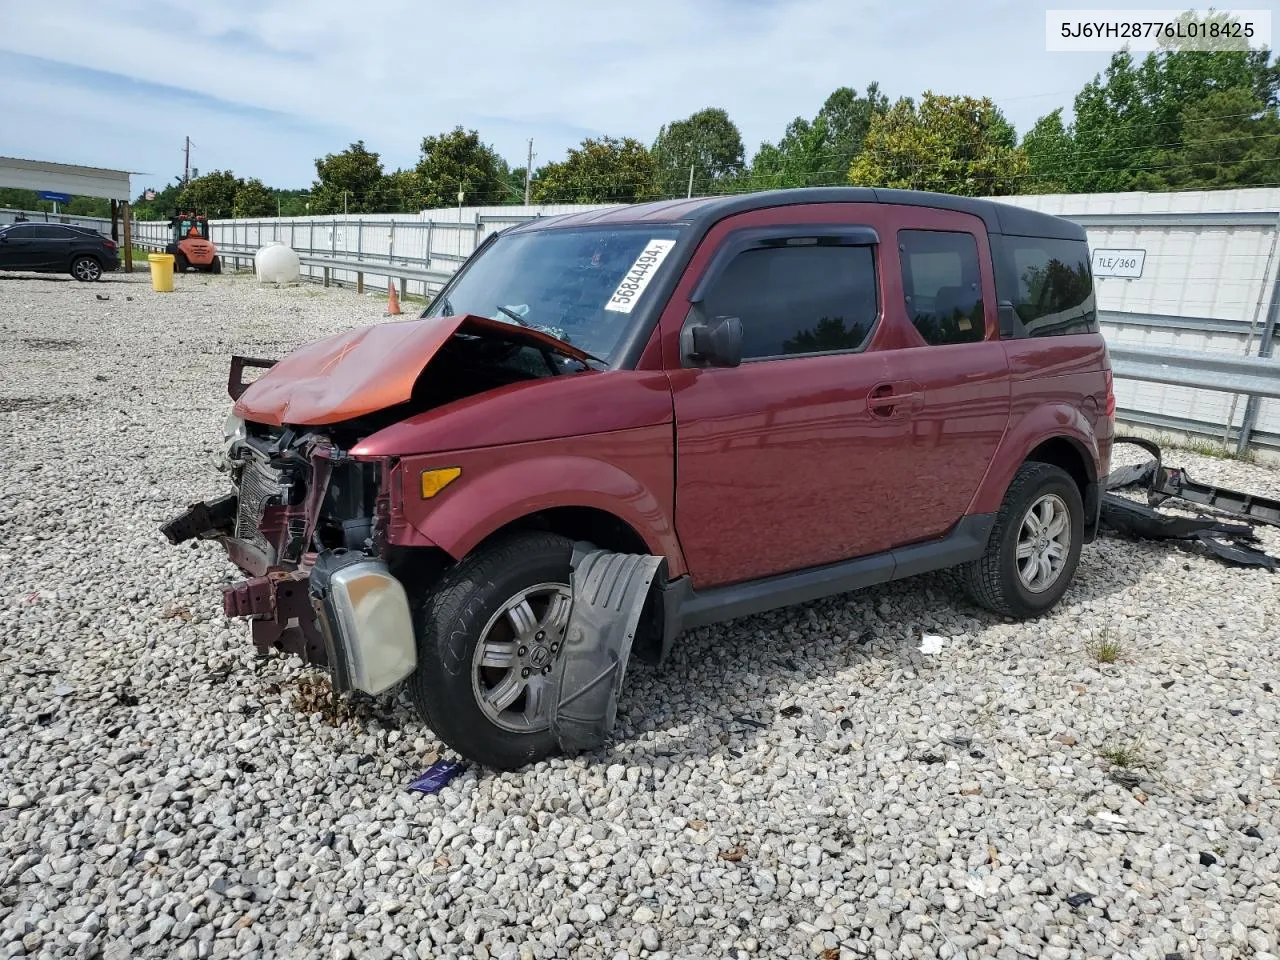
(1232, 543)
(1079, 899)
(1207, 859)
(1252, 832)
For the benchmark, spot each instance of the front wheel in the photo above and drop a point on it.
(1034, 548)
(216, 266)
(489, 636)
(180, 263)
(86, 269)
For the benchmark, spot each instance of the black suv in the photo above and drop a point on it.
(57, 248)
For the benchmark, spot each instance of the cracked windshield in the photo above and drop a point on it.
(580, 286)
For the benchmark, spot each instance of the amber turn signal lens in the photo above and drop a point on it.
(433, 481)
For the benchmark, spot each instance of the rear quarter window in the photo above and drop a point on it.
(1049, 285)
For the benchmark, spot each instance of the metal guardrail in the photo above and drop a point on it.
(1259, 376)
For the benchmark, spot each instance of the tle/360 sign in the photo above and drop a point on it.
(1119, 263)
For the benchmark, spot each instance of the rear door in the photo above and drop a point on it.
(952, 363)
(780, 462)
(51, 247)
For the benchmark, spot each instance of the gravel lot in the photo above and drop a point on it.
(805, 783)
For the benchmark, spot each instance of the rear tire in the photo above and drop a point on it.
(1034, 547)
(86, 269)
(469, 604)
(216, 266)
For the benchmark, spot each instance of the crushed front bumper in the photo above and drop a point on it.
(339, 609)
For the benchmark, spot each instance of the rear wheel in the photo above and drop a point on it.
(1034, 548)
(216, 266)
(86, 269)
(489, 636)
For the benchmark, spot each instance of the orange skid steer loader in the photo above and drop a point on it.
(191, 246)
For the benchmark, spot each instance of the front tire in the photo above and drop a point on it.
(180, 263)
(488, 636)
(216, 266)
(1034, 547)
(86, 269)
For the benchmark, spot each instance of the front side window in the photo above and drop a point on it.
(1050, 284)
(798, 296)
(580, 285)
(942, 284)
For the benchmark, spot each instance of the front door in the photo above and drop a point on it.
(789, 460)
(19, 247)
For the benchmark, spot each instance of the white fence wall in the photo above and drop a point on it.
(433, 240)
(1209, 281)
(1209, 284)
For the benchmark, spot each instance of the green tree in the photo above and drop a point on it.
(213, 194)
(352, 178)
(818, 152)
(1135, 122)
(253, 199)
(708, 143)
(459, 160)
(401, 192)
(607, 170)
(1050, 154)
(950, 144)
(293, 203)
(162, 206)
(1229, 139)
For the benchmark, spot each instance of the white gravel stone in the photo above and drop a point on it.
(161, 795)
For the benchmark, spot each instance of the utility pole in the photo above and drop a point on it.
(690, 193)
(277, 206)
(344, 203)
(186, 163)
(528, 172)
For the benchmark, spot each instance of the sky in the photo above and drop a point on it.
(264, 87)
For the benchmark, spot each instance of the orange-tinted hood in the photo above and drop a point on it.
(364, 370)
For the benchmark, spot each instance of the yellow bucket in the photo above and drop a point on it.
(161, 272)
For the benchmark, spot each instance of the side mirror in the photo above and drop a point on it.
(716, 342)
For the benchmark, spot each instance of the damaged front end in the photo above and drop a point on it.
(307, 522)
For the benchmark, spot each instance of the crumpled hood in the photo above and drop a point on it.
(364, 370)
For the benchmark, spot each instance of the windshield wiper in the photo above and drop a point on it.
(603, 365)
(514, 316)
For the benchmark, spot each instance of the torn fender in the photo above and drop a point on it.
(365, 370)
(609, 593)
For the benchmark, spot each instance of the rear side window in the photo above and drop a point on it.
(942, 283)
(797, 297)
(1049, 283)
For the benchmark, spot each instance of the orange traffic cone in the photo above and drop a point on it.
(393, 299)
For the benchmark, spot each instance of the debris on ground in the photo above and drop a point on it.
(931, 644)
(1233, 543)
(437, 776)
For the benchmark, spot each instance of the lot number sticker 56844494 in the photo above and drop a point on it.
(639, 275)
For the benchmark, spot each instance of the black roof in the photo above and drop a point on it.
(704, 211)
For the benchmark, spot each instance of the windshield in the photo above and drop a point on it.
(578, 285)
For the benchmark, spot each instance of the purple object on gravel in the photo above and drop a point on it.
(438, 776)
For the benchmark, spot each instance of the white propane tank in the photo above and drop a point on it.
(277, 263)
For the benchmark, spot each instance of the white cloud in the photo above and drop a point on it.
(391, 71)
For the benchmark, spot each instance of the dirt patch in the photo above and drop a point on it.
(48, 343)
(24, 404)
